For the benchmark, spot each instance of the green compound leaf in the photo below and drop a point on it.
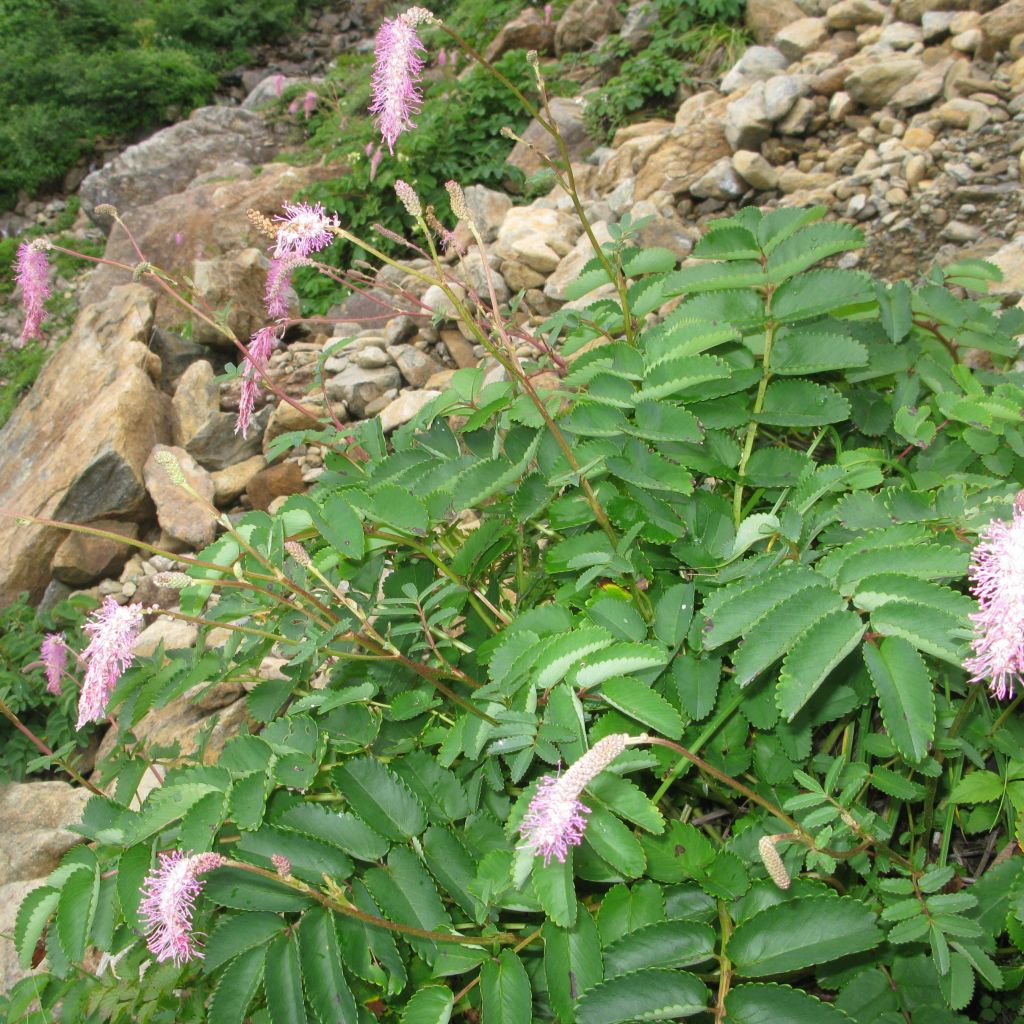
(810, 245)
(340, 828)
(554, 889)
(815, 655)
(242, 890)
(820, 292)
(236, 988)
(801, 403)
(644, 705)
(644, 995)
(234, 935)
(327, 990)
(802, 933)
(928, 629)
(431, 1004)
(132, 867)
(724, 240)
(34, 912)
(76, 910)
(665, 944)
(619, 660)
(815, 351)
(380, 798)
(572, 962)
(778, 1004)
(505, 990)
(905, 695)
(614, 843)
(560, 653)
(283, 982)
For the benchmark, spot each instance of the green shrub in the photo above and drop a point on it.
(74, 73)
(22, 630)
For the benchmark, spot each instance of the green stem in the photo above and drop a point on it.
(762, 387)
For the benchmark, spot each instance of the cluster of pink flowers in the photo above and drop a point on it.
(309, 103)
(261, 345)
(168, 898)
(304, 230)
(397, 73)
(997, 576)
(556, 818)
(54, 654)
(279, 282)
(110, 653)
(32, 272)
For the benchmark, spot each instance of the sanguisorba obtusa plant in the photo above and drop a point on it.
(635, 696)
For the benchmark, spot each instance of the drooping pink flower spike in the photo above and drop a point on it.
(168, 898)
(261, 345)
(278, 84)
(309, 102)
(32, 273)
(54, 654)
(556, 818)
(375, 162)
(397, 73)
(279, 282)
(997, 581)
(304, 230)
(110, 653)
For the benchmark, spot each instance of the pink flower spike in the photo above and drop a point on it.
(442, 58)
(262, 344)
(54, 654)
(168, 898)
(279, 282)
(293, 107)
(997, 577)
(547, 14)
(396, 76)
(278, 84)
(304, 230)
(369, 149)
(309, 103)
(556, 818)
(110, 653)
(32, 273)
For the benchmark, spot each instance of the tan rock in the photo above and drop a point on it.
(181, 515)
(276, 481)
(764, 18)
(527, 31)
(964, 113)
(755, 170)
(230, 483)
(854, 13)
(925, 87)
(1010, 260)
(286, 418)
(583, 23)
(404, 408)
(1001, 25)
(917, 138)
(801, 36)
(75, 446)
(233, 285)
(458, 348)
(35, 817)
(82, 560)
(573, 262)
(174, 634)
(568, 115)
(792, 180)
(874, 84)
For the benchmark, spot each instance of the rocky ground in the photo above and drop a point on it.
(906, 118)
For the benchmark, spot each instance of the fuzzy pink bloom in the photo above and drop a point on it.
(408, 198)
(375, 162)
(442, 58)
(179, 238)
(396, 76)
(304, 230)
(279, 281)
(110, 653)
(32, 273)
(556, 818)
(293, 107)
(282, 865)
(278, 85)
(262, 343)
(309, 103)
(997, 577)
(168, 897)
(547, 14)
(54, 654)
(369, 149)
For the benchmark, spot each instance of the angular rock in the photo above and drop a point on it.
(854, 13)
(181, 516)
(764, 18)
(285, 417)
(230, 483)
(234, 284)
(746, 120)
(82, 560)
(357, 387)
(568, 115)
(925, 87)
(583, 23)
(35, 817)
(639, 26)
(403, 408)
(874, 84)
(458, 348)
(1010, 260)
(800, 37)
(75, 446)
(719, 181)
(488, 209)
(168, 160)
(527, 31)
(573, 262)
(416, 366)
(781, 92)
(755, 170)
(176, 354)
(964, 113)
(758, 64)
(174, 634)
(274, 482)
(998, 27)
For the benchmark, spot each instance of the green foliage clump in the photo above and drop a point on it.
(77, 72)
(23, 688)
(739, 521)
(687, 36)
